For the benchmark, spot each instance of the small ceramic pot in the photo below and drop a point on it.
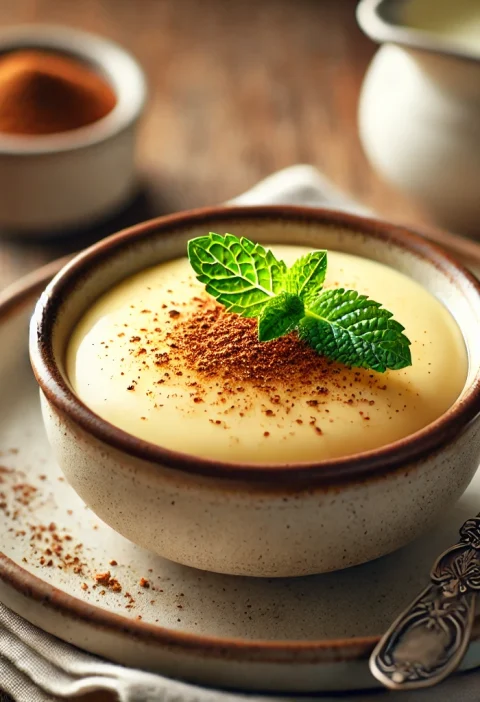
(50, 183)
(260, 520)
(419, 113)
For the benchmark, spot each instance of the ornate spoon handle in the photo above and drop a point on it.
(428, 641)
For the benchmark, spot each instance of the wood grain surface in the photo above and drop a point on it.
(238, 89)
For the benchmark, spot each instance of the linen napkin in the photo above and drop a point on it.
(37, 667)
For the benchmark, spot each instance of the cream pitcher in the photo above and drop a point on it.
(419, 111)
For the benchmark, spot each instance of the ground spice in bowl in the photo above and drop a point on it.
(46, 93)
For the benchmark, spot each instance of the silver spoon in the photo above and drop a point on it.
(429, 639)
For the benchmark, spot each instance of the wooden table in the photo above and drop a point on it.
(238, 89)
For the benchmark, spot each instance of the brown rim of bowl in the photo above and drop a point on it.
(32, 587)
(12, 299)
(376, 462)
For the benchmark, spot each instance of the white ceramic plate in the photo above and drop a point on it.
(305, 634)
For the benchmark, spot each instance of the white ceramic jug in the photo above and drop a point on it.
(419, 112)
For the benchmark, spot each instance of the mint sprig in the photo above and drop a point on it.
(339, 324)
(241, 275)
(307, 275)
(281, 315)
(355, 330)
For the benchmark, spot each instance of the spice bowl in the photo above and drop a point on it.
(258, 519)
(53, 182)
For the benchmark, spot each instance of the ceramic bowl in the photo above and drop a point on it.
(259, 520)
(419, 108)
(51, 183)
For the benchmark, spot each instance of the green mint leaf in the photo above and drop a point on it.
(307, 275)
(352, 329)
(280, 316)
(240, 274)
(339, 324)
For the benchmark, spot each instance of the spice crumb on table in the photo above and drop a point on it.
(51, 545)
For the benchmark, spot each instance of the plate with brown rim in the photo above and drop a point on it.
(70, 574)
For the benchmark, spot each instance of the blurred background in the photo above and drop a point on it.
(237, 90)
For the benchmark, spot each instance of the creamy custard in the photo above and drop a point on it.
(159, 359)
(457, 21)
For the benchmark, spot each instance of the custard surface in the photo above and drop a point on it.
(157, 358)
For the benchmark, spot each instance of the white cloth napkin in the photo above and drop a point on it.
(37, 667)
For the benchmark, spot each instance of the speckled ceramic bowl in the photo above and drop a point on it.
(340, 512)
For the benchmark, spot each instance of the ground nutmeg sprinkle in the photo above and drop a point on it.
(47, 93)
(214, 342)
(51, 546)
(206, 348)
